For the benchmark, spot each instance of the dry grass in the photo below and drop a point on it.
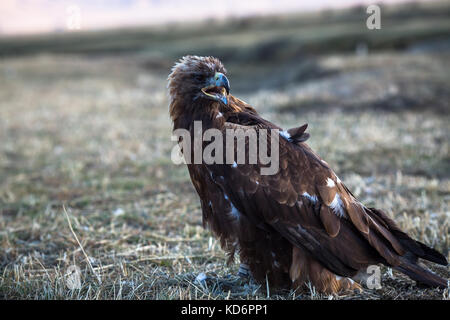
(92, 135)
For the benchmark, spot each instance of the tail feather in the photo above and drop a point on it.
(416, 247)
(414, 250)
(421, 274)
(432, 255)
(420, 249)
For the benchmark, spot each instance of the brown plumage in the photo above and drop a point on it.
(302, 223)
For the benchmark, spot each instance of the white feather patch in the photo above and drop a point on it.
(330, 183)
(234, 211)
(310, 197)
(285, 135)
(337, 206)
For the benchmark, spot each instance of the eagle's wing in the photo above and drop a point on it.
(304, 201)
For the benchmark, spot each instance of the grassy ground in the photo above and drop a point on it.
(89, 134)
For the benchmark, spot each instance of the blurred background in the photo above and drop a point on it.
(84, 127)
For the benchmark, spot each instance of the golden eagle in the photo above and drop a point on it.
(300, 224)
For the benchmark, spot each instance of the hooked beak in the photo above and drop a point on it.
(218, 89)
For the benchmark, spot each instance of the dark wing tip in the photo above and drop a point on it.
(432, 255)
(422, 275)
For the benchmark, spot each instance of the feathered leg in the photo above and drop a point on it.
(304, 268)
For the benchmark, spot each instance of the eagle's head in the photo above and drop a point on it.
(195, 80)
